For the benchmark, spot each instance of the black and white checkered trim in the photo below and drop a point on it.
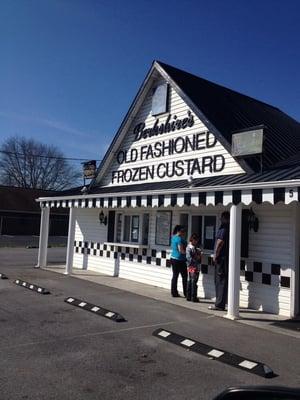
(251, 271)
(234, 360)
(246, 197)
(135, 254)
(266, 273)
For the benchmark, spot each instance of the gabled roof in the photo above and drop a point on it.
(230, 111)
(225, 112)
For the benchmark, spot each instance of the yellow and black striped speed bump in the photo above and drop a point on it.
(114, 316)
(213, 353)
(31, 286)
(3, 276)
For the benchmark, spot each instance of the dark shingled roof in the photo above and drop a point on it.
(230, 111)
(23, 200)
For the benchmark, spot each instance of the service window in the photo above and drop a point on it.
(209, 231)
(197, 227)
(135, 226)
(126, 232)
(145, 229)
(184, 221)
(119, 228)
(132, 228)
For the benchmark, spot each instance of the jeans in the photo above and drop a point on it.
(192, 287)
(221, 281)
(178, 267)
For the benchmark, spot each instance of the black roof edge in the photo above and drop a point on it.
(222, 86)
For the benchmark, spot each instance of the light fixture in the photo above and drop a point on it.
(253, 222)
(102, 218)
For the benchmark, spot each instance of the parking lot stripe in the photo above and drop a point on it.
(234, 360)
(31, 286)
(96, 309)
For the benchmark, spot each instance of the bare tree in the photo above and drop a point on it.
(31, 164)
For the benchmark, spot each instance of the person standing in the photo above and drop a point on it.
(178, 259)
(193, 262)
(220, 259)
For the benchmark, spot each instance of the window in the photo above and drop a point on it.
(135, 225)
(145, 229)
(163, 227)
(205, 227)
(119, 228)
(126, 234)
(160, 99)
(197, 227)
(209, 231)
(184, 221)
(135, 228)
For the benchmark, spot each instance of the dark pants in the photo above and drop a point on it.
(221, 281)
(192, 286)
(178, 267)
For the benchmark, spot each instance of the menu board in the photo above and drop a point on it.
(163, 227)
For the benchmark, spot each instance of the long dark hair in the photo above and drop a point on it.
(177, 229)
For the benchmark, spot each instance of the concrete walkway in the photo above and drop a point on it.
(255, 318)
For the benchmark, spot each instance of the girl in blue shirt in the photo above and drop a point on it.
(178, 259)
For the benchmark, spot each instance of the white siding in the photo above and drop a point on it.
(273, 241)
(272, 244)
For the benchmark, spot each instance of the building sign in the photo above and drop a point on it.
(247, 143)
(164, 158)
(89, 169)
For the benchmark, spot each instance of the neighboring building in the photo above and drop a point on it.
(20, 213)
(171, 162)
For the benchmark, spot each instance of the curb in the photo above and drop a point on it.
(31, 286)
(254, 367)
(95, 309)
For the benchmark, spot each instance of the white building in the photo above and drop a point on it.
(171, 162)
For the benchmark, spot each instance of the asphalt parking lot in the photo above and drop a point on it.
(53, 350)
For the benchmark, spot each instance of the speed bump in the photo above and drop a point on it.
(3, 276)
(114, 316)
(245, 364)
(31, 286)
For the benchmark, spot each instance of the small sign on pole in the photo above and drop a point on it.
(247, 143)
(89, 169)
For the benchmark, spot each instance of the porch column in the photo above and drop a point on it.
(71, 238)
(234, 261)
(43, 241)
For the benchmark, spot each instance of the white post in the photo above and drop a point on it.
(43, 242)
(70, 245)
(234, 261)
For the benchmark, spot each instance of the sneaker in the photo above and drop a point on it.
(176, 295)
(196, 300)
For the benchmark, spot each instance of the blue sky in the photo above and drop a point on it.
(70, 68)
